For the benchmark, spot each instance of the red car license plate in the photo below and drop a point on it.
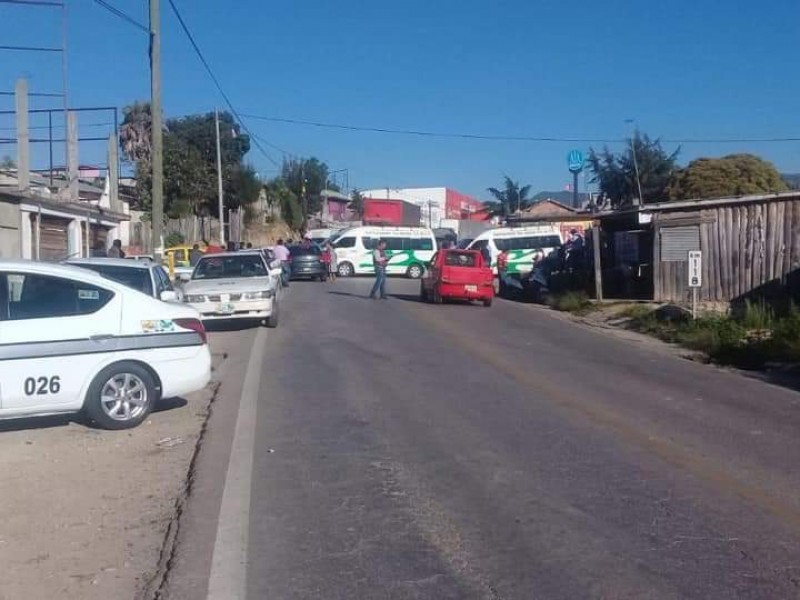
(471, 288)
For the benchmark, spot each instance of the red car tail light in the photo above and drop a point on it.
(195, 325)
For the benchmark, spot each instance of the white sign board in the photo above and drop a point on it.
(695, 268)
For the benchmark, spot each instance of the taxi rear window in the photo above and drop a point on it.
(33, 296)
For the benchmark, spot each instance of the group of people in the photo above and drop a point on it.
(115, 251)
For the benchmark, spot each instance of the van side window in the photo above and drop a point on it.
(369, 243)
(424, 244)
(394, 243)
(347, 242)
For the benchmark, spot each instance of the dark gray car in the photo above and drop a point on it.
(307, 262)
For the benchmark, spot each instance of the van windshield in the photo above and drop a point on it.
(534, 242)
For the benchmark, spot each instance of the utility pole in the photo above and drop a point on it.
(304, 195)
(158, 142)
(635, 160)
(219, 185)
(23, 136)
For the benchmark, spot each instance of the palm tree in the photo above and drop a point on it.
(512, 199)
(135, 133)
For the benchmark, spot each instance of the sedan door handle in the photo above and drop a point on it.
(99, 337)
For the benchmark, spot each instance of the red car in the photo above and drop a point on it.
(457, 275)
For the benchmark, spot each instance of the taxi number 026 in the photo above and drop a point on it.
(41, 386)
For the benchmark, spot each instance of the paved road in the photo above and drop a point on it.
(404, 450)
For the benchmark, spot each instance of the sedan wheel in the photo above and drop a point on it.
(121, 396)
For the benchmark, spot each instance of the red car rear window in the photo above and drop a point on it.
(461, 259)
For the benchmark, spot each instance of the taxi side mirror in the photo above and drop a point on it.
(184, 277)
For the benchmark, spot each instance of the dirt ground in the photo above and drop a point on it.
(84, 512)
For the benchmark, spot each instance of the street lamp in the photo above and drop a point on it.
(635, 161)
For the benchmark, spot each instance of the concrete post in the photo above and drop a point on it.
(23, 136)
(113, 174)
(73, 173)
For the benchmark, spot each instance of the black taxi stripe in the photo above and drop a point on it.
(59, 348)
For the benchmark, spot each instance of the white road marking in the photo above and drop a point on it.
(228, 579)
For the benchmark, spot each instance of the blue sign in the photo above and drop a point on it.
(575, 161)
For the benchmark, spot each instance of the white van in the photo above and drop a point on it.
(521, 243)
(409, 249)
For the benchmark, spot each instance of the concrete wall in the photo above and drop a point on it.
(10, 237)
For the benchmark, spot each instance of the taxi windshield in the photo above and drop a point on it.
(223, 267)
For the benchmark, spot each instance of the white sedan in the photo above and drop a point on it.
(234, 286)
(145, 276)
(71, 340)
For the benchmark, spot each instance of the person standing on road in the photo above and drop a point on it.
(282, 254)
(379, 261)
(333, 265)
(194, 255)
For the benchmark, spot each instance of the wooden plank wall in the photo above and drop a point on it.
(745, 247)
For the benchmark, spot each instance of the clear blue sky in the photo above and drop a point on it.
(703, 68)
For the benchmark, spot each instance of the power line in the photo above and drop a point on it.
(31, 49)
(510, 138)
(124, 16)
(33, 2)
(422, 133)
(217, 83)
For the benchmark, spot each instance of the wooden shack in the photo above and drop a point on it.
(750, 245)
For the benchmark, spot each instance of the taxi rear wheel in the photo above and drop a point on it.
(121, 396)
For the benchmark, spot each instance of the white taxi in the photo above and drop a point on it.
(71, 340)
(234, 286)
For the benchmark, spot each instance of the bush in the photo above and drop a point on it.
(757, 315)
(174, 239)
(572, 302)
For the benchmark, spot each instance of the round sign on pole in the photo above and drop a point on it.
(575, 161)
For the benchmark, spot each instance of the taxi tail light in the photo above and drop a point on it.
(195, 325)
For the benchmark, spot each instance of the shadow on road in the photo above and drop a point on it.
(359, 296)
(53, 421)
(50, 422)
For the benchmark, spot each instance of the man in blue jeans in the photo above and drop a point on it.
(379, 261)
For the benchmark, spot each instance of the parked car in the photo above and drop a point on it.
(457, 275)
(233, 286)
(307, 262)
(145, 276)
(73, 340)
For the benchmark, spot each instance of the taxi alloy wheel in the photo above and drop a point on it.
(121, 396)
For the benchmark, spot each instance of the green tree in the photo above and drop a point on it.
(356, 203)
(508, 200)
(7, 163)
(616, 173)
(135, 133)
(306, 178)
(278, 192)
(732, 175)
